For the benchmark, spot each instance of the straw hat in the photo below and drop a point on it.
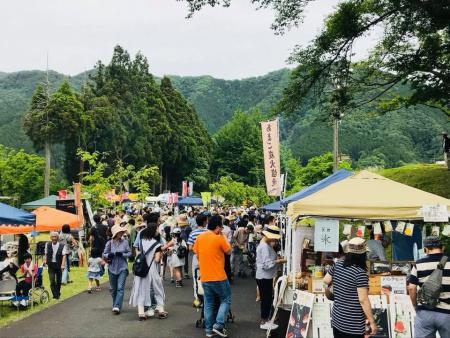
(116, 229)
(357, 245)
(231, 218)
(182, 220)
(272, 232)
(170, 221)
(141, 225)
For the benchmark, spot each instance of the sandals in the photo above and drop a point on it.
(142, 317)
(98, 288)
(161, 314)
(89, 290)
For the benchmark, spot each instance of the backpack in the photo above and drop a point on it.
(140, 266)
(428, 295)
(182, 251)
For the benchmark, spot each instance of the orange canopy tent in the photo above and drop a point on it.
(49, 219)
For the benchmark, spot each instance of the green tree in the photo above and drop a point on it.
(413, 47)
(21, 175)
(238, 193)
(320, 167)
(238, 149)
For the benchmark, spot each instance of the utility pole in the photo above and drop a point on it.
(47, 141)
(336, 119)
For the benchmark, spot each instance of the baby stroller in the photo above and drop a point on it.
(200, 323)
(38, 295)
(251, 261)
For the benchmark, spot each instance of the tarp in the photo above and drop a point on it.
(49, 201)
(193, 201)
(15, 221)
(49, 219)
(274, 207)
(333, 178)
(366, 196)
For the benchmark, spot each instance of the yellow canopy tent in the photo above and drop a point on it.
(366, 196)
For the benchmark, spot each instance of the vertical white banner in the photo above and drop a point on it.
(271, 148)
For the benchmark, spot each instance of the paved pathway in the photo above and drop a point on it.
(89, 315)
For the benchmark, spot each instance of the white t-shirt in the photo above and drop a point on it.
(55, 250)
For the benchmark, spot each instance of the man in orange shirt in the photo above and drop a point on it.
(211, 248)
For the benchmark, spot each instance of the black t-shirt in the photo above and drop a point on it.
(98, 231)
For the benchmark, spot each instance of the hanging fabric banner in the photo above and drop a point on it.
(206, 198)
(191, 188)
(184, 189)
(271, 148)
(78, 202)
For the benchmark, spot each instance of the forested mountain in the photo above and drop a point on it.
(405, 135)
(216, 100)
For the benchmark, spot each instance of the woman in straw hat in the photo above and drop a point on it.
(117, 250)
(266, 270)
(351, 288)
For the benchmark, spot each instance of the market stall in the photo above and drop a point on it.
(15, 221)
(348, 208)
(49, 219)
(49, 201)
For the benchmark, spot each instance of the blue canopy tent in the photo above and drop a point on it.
(273, 207)
(190, 201)
(15, 221)
(333, 178)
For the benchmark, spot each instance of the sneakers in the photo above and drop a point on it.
(23, 302)
(210, 334)
(15, 303)
(116, 310)
(268, 326)
(150, 313)
(178, 284)
(221, 332)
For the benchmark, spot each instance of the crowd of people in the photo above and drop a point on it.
(214, 247)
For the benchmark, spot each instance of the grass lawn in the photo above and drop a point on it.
(78, 275)
(433, 178)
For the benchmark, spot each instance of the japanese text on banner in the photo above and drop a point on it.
(271, 148)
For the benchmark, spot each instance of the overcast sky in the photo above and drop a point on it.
(230, 43)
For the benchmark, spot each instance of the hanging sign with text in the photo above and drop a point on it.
(271, 148)
(435, 213)
(326, 235)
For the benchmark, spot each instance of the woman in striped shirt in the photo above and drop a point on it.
(350, 287)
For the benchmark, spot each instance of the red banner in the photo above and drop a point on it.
(62, 194)
(184, 190)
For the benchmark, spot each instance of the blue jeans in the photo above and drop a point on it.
(117, 283)
(212, 291)
(427, 323)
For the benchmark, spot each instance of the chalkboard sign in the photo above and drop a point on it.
(67, 206)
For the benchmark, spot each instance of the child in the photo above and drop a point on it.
(95, 264)
(176, 261)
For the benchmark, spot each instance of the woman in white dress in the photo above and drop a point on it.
(140, 293)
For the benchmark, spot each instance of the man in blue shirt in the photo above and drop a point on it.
(202, 221)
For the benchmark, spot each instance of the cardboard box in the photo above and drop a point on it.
(315, 285)
(375, 285)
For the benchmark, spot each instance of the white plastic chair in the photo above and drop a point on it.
(7, 290)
